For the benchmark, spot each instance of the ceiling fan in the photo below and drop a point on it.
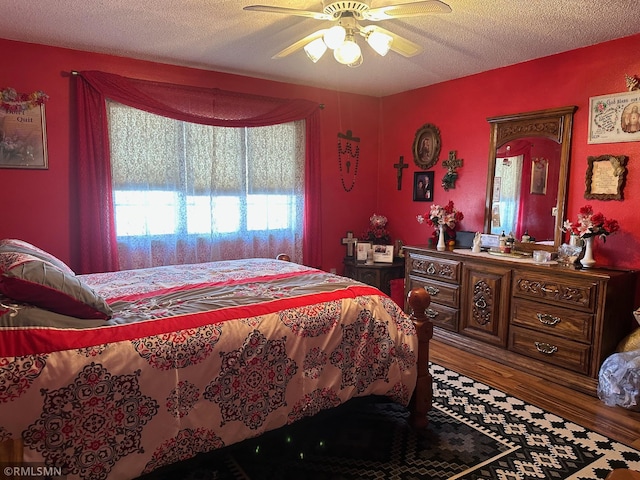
(341, 38)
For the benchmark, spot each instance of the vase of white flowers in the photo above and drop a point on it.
(444, 221)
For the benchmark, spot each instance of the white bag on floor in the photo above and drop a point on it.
(619, 380)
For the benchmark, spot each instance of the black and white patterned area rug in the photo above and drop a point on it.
(475, 432)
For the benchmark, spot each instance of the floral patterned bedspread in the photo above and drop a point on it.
(196, 357)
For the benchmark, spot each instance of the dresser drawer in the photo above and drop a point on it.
(442, 293)
(436, 268)
(572, 292)
(442, 316)
(564, 322)
(550, 349)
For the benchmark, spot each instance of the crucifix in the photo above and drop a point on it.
(399, 167)
(349, 241)
(449, 179)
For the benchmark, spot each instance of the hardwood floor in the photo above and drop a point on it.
(615, 422)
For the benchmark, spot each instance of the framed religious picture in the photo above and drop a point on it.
(423, 186)
(426, 146)
(23, 139)
(614, 118)
(539, 172)
(606, 176)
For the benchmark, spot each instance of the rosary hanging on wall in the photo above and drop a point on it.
(348, 159)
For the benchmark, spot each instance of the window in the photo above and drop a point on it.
(239, 191)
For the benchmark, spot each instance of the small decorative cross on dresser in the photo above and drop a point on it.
(399, 167)
(350, 241)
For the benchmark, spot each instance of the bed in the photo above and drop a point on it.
(117, 374)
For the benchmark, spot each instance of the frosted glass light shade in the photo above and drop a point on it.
(334, 37)
(380, 42)
(348, 53)
(315, 49)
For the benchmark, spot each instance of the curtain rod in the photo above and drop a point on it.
(75, 72)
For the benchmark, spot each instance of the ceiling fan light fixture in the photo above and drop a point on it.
(348, 53)
(357, 63)
(380, 42)
(315, 50)
(334, 37)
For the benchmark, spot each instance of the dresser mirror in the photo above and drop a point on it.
(528, 174)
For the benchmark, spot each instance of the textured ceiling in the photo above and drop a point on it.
(478, 35)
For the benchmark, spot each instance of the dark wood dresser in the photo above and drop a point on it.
(555, 322)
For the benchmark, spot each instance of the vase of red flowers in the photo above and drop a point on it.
(444, 221)
(588, 226)
(377, 232)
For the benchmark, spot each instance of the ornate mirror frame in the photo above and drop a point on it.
(554, 124)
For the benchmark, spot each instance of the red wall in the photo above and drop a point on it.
(460, 109)
(35, 205)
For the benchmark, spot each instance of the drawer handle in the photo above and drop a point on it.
(431, 313)
(549, 290)
(432, 290)
(547, 319)
(481, 303)
(431, 269)
(546, 348)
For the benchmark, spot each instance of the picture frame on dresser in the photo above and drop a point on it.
(362, 250)
(383, 253)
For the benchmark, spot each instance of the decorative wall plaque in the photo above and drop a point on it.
(606, 176)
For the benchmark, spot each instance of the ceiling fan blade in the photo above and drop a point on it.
(300, 44)
(411, 9)
(399, 45)
(289, 11)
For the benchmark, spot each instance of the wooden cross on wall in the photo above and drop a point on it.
(349, 241)
(399, 167)
(449, 179)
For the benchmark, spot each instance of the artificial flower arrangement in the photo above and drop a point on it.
(446, 216)
(377, 232)
(591, 224)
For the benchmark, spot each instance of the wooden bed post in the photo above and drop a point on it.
(11, 452)
(419, 301)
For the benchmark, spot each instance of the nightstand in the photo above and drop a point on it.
(378, 275)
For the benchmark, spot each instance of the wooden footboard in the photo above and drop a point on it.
(419, 301)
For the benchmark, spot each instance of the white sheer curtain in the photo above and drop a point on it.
(507, 199)
(188, 193)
